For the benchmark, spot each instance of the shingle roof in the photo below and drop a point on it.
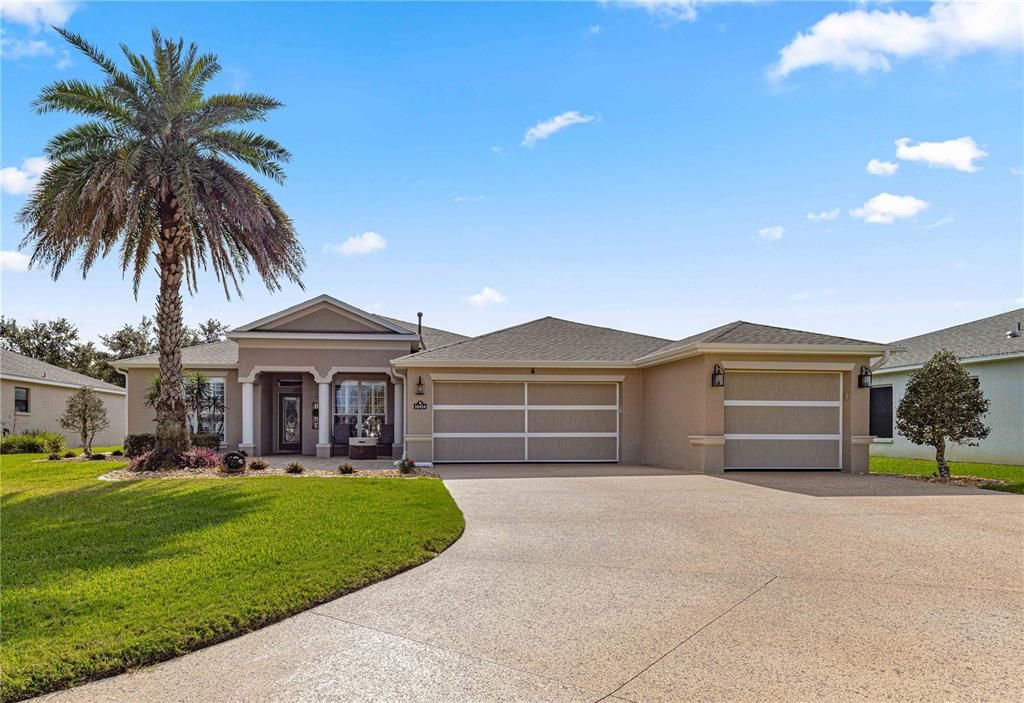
(985, 337)
(547, 339)
(741, 332)
(432, 337)
(223, 353)
(15, 364)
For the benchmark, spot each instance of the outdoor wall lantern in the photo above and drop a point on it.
(717, 377)
(864, 377)
(419, 385)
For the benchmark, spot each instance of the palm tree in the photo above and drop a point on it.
(154, 173)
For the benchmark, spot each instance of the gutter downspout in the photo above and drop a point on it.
(881, 362)
(395, 373)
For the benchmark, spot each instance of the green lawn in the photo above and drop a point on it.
(921, 467)
(102, 576)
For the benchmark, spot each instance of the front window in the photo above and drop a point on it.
(20, 400)
(361, 405)
(211, 412)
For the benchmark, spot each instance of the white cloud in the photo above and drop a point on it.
(823, 216)
(886, 208)
(543, 130)
(675, 10)
(863, 40)
(37, 14)
(953, 153)
(13, 48)
(486, 296)
(17, 181)
(468, 198)
(358, 245)
(64, 61)
(594, 29)
(772, 234)
(1016, 171)
(497, 149)
(13, 261)
(942, 222)
(881, 168)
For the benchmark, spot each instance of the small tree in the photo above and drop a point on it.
(85, 414)
(942, 403)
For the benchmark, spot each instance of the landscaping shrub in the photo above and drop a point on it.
(206, 441)
(346, 469)
(69, 455)
(258, 465)
(294, 468)
(33, 442)
(54, 457)
(199, 458)
(98, 456)
(135, 445)
(406, 465)
(117, 452)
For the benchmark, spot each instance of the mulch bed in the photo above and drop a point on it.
(129, 475)
(966, 481)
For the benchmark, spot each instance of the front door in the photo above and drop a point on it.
(289, 429)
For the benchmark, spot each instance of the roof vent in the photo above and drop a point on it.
(1014, 332)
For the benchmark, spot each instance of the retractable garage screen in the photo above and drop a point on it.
(780, 420)
(526, 422)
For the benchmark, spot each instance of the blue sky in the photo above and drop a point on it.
(679, 150)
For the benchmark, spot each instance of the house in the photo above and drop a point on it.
(34, 395)
(992, 350)
(327, 379)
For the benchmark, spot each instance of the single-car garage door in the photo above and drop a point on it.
(781, 420)
(516, 422)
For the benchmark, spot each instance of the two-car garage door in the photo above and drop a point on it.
(525, 421)
(783, 420)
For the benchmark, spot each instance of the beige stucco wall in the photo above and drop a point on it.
(143, 419)
(419, 423)
(679, 402)
(324, 317)
(321, 355)
(46, 405)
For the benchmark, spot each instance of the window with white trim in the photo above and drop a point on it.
(362, 405)
(21, 400)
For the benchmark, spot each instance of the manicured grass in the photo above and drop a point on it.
(920, 467)
(102, 576)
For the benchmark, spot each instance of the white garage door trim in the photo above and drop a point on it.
(838, 437)
(525, 408)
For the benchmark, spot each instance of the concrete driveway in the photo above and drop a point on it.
(588, 583)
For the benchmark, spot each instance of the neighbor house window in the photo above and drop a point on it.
(20, 400)
(362, 406)
(211, 419)
(881, 412)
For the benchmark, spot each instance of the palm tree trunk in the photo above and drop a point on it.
(940, 459)
(172, 435)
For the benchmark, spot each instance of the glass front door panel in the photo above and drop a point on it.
(291, 422)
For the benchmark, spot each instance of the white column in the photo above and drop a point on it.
(400, 414)
(248, 435)
(323, 446)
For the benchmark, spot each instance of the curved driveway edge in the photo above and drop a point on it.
(576, 583)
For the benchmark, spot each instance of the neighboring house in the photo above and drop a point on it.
(34, 395)
(323, 377)
(992, 350)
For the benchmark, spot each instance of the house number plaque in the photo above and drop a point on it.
(419, 405)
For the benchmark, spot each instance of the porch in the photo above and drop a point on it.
(302, 412)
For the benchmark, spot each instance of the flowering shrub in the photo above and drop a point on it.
(194, 458)
(199, 458)
(406, 465)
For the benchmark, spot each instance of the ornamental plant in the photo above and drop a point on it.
(942, 404)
